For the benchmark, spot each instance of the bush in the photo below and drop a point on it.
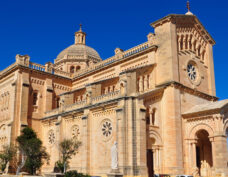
(59, 166)
(74, 173)
(68, 148)
(31, 147)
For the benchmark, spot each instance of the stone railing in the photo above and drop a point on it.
(61, 73)
(76, 105)
(112, 59)
(95, 66)
(36, 66)
(24, 60)
(109, 96)
(81, 104)
(136, 49)
(52, 112)
(51, 70)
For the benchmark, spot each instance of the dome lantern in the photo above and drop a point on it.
(80, 36)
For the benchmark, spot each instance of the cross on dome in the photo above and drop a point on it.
(80, 28)
(80, 36)
(188, 7)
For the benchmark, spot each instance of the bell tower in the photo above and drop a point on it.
(80, 36)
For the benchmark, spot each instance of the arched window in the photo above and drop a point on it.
(72, 69)
(78, 68)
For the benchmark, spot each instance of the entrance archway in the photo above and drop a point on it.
(154, 153)
(204, 160)
(150, 158)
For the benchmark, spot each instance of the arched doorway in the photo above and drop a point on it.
(154, 153)
(150, 158)
(204, 160)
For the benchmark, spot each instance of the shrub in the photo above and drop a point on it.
(74, 173)
(31, 147)
(68, 148)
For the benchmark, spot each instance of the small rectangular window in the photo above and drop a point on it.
(35, 98)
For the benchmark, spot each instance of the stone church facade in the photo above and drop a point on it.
(156, 100)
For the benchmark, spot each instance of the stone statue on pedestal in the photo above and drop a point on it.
(114, 163)
(114, 155)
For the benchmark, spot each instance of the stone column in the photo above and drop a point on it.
(193, 155)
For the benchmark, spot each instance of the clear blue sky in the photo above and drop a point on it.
(42, 28)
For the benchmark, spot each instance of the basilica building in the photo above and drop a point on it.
(157, 101)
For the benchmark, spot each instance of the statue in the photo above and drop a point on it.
(205, 168)
(114, 155)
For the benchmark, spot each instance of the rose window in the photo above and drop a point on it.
(192, 72)
(107, 128)
(51, 137)
(75, 132)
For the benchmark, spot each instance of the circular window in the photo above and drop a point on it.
(75, 132)
(106, 128)
(192, 72)
(51, 137)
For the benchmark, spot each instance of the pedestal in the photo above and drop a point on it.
(115, 173)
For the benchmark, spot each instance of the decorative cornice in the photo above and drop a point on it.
(179, 19)
(188, 90)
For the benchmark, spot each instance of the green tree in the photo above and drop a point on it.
(31, 147)
(6, 156)
(68, 148)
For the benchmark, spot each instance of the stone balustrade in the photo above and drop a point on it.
(81, 104)
(98, 65)
(52, 112)
(36, 66)
(74, 106)
(135, 49)
(61, 73)
(112, 59)
(40, 67)
(109, 96)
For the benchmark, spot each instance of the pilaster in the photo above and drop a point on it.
(211, 78)
(85, 143)
(24, 99)
(219, 154)
(140, 136)
(121, 136)
(172, 121)
(48, 95)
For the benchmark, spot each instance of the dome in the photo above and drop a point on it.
(78, 51)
